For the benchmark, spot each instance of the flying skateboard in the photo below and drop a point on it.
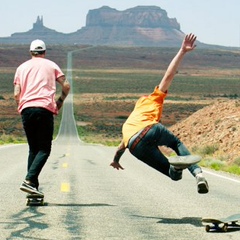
(183, 162)
(35, 200)
(222, 224)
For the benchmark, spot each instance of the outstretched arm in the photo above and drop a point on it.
(120, 150)
(188, 45)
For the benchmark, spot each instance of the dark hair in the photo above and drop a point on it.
(35, 53)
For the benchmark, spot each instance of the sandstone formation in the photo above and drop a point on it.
(138, 26)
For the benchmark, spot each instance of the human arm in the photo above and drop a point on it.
(17, 91)
(187, 46)
(65, 90)
(120, 150)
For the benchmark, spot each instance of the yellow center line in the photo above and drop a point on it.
(65, 187)
(65, 165)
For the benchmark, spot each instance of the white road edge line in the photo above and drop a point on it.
(220, 176)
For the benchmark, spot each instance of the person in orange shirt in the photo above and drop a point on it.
(143, 133)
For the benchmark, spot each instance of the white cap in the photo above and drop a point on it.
(37, 45)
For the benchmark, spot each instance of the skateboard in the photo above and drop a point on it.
(35, 200)
(184, 161)
(222, 224)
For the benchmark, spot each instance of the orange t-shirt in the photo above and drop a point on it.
(147, 111)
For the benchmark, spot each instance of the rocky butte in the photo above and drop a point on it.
(138, 26)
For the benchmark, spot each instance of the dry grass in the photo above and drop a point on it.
(108, 80)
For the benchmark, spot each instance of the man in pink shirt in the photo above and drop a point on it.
(35, 92)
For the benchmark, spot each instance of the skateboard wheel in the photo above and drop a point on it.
(207, 228)
(225, 227)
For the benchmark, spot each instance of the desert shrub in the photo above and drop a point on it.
(237, 103)
(237, 162)
(213, 164)
(6, 139)
(208, 149)
(233, 169)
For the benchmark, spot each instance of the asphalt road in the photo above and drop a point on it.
(86, 199)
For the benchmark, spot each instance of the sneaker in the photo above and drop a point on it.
(202, 185)
(175, 174)
(29, 188)
(182, 162)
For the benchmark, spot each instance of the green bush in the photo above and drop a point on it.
(233, 169)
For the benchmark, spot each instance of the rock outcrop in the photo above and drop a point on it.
(144, 17)
(138, 26)
(38, 31)
(144, 26)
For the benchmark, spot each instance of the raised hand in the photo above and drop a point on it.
(188, 42)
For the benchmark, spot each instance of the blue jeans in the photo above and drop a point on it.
(38, 125)
(148, 152)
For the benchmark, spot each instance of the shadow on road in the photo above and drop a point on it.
(27, 220)
(78, 205)
(195, 221)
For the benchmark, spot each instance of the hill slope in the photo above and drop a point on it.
(214, 129)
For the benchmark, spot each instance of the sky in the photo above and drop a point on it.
(212, 21)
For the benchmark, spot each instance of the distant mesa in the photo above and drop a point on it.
(38, 31)
(138, 26)
(142, 17)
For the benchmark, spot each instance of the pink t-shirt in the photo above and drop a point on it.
(37, 79)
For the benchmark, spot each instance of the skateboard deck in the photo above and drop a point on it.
(222, 224)
(35, 200)
(184, 161)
